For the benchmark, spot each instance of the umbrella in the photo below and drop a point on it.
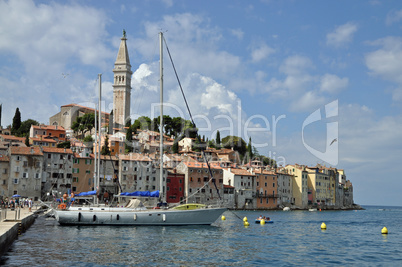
(16, 196)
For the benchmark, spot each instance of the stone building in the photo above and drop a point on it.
(25, 172)
(58, 169)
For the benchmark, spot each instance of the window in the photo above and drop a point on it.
(75, 180)
(87, 171)
(15, 181)
(37, 164)
(37, 175)
(206, 179)
(76, 161)
(25, 163)
(25, 175)
(273, 184)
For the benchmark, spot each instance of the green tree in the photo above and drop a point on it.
(218, 139)
(250, 149)
(175, 147)
(237, 143)
(16, 122)
(143, 123)
(26, 127)
(84, 124)
(27, 140)
(105, 148)
(128, 123)
(89, 139)
(129, 138)
(65, 144)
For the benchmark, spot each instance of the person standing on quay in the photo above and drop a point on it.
(30, 204)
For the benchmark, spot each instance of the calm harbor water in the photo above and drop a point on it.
(295, 238)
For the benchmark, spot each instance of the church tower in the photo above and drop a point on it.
(122, 85)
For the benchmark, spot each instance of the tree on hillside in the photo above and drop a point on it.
(128, 123)
(218, 139)
(250, 150)
(27, 140)
(84, 124)
(129, 140)
(65, 144)
(175, 147)
(105, 148)
(237, 143)
(143, 123)
(16, 122)
(26, 127)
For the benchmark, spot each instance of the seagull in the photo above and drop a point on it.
(65, 75)
(333, 141)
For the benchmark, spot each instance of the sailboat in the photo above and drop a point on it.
(135, 213)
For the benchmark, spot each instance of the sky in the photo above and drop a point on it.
(311, 82)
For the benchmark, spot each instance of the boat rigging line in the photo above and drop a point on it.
(192, 120)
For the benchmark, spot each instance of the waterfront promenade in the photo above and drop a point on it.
(13, 223)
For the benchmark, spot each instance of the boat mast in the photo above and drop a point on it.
(94, 149)
(100, 136)
(161, 182)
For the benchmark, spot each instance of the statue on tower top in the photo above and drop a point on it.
(124, 33)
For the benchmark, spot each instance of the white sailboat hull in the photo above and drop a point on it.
(139, 217)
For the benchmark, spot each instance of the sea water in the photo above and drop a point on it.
(295, 238)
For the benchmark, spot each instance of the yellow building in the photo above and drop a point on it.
(300, 187)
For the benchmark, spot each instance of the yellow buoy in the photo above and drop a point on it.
(323, 226)
(223, 218)
(245, 219)
(246, 223)
(262, 222)
(384, 230)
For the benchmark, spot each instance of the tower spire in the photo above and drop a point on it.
(122, 85)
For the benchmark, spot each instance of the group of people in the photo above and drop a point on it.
(16, 202)
(264, 218)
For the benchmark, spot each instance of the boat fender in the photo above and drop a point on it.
(135, 217)
(164, 217)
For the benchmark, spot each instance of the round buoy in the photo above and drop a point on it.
(323, 226)
(262, 222)
(384, 231)
(245, 219)
(223, 218)
(246, 223)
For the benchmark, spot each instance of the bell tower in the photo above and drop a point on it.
(122, 85)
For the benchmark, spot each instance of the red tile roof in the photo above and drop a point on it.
(48, 127)
(4, 158)
(57, 150)
(19, 150)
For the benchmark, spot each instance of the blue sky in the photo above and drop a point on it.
(249, 68)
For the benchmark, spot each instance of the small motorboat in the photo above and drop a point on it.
(258, 220)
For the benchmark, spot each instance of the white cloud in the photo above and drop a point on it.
(393, 17)
(333, 84)
(342, 35)
(386, 62)
(295, 65)
(216, 96)
(238, 33)
(261, 52)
